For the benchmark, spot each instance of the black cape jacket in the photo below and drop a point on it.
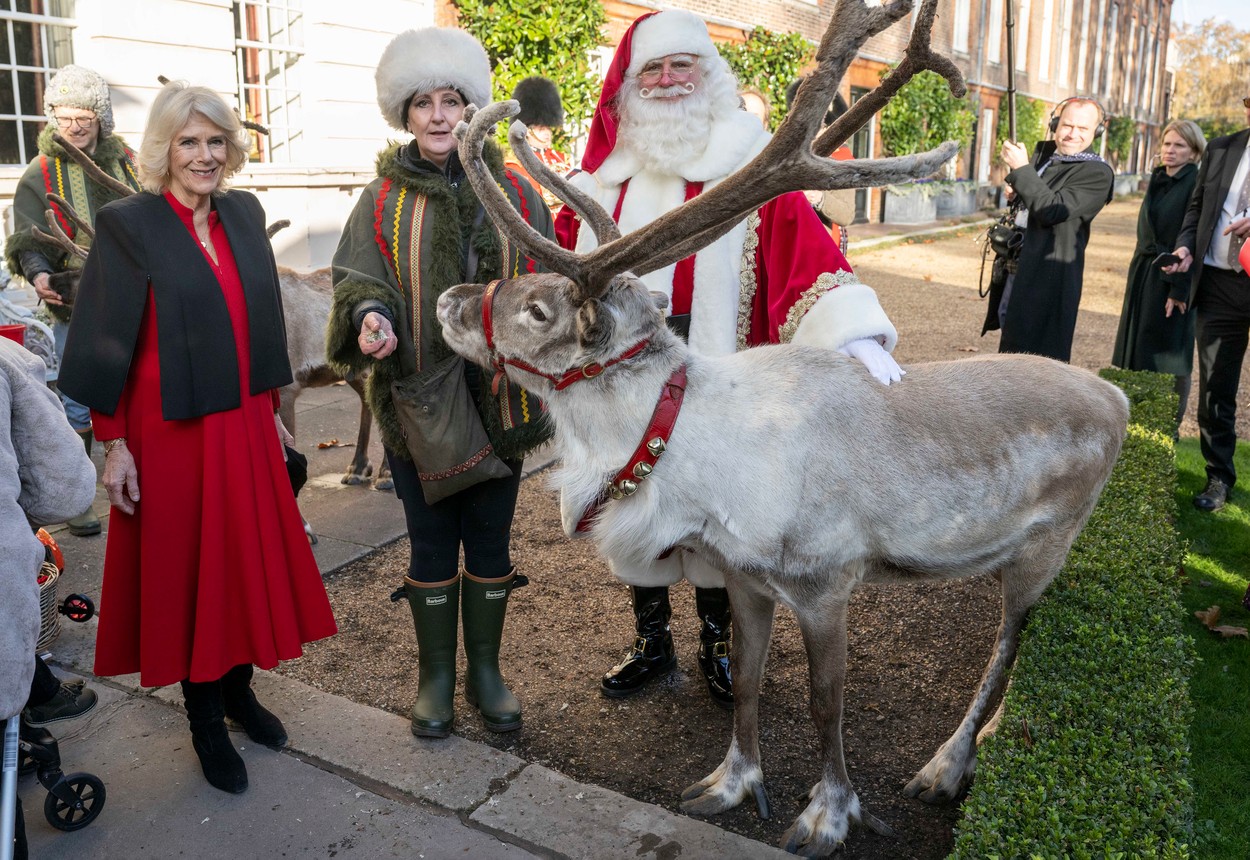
(1041, 313)
(141, 242)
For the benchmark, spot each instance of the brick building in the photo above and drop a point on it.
(1110, 50)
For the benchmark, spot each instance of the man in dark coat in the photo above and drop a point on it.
(1215, 228)
(1059, 193)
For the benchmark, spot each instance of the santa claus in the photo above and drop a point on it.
(668, 127)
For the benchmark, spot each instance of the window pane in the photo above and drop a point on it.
(8, 143)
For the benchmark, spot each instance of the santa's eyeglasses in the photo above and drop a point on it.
(678, 68)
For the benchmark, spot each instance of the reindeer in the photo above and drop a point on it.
(306, 298)
(789, 467)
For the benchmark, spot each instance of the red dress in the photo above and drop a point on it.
(213, 569)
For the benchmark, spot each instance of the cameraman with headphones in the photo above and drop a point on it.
(1055, 197)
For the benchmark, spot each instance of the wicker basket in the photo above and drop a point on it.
(49, 610)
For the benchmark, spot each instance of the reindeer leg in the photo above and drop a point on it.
(740, 776)
(950, 771)
(360, 469)
(834, 806)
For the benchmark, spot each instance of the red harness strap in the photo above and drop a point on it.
(500, 363)
(654, 440)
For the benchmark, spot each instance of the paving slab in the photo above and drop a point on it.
(593, 823)
(157, 804)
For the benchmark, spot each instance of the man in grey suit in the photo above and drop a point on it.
(1215, 228)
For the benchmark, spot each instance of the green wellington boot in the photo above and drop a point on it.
(88, 523)
(435, 614)
(484, 604)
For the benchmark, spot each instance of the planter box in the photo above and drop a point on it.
(1127, 183)
(956, 202)
(914, 208)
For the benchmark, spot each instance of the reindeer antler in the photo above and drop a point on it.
(80, 222)
(93, 171)
(472, 136)
(58, 236)
(592, 214)
(919, 56)
(787, 163)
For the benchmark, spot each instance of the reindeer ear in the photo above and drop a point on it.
(594, 324)
(659, 300)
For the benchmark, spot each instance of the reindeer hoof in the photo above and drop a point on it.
(823, 827)
(384, 482)
(724, 789)
(356, 476)
(944, 779)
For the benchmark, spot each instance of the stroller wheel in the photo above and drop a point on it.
(88, 792)
(78, 608)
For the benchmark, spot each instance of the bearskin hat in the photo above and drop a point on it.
(540, 102)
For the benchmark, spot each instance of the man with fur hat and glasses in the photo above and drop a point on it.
(543, 115)
(417, 230)
(668, 127)
(77, 103)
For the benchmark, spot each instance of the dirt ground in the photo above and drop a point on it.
(915, 653)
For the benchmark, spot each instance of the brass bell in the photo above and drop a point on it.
(655, 446)
(627, 487)
(641, 470)
(616, 494)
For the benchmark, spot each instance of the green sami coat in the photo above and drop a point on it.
(404, 244)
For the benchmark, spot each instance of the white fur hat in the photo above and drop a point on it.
(80, 87)
(673, 31)
(421, 61)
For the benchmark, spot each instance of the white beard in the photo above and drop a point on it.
(668, 134)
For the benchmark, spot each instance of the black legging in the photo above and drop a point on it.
(479, 517)
(43, 686)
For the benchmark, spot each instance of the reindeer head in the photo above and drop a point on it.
(543, 327)
(594, 305)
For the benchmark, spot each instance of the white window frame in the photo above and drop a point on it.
(963, 23)
(1111, 46)
(985, 146)
(1048, 23)
(1065, 41)
(994, 48)
(1024, 11)
(275, 98)
(55, 53)
(1082, 55)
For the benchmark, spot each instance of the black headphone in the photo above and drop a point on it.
(1058, 112)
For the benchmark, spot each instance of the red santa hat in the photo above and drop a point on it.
(653, 35)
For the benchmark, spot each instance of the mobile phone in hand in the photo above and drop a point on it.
(1164, 260)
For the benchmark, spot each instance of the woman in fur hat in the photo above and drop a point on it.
(417, 230)
(77, 103)
(543, 115)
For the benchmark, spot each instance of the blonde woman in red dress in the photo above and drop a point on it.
(178, 348)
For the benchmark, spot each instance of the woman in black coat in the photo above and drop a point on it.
(1155, 332)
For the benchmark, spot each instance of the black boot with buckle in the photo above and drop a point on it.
(652, 655)
(712, 604)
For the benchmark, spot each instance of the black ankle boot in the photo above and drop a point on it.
(241, 706)
(652, 655)
(712, 604)
(223, 768)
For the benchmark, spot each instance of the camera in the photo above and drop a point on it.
(1006, 240)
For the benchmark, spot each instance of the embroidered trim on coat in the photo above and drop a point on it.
(414, 268)
(746, 278)
(460, 469)
(826, 282)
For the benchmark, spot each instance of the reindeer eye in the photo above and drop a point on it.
(537, 313)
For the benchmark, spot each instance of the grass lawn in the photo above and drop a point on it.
(1218, 565)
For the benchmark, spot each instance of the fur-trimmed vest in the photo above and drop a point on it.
(53, 171)
(403, 245)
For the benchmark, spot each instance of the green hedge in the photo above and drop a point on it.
(1101, 681)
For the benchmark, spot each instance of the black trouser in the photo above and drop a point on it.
(43, 686)
(479, 517)
(1223, 329)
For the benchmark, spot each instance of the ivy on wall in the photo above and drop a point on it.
(768, 62)
(553, 39)
(922, 115)
(1031, 119)
(1120, 133)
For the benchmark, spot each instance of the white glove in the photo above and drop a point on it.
(873, 356)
